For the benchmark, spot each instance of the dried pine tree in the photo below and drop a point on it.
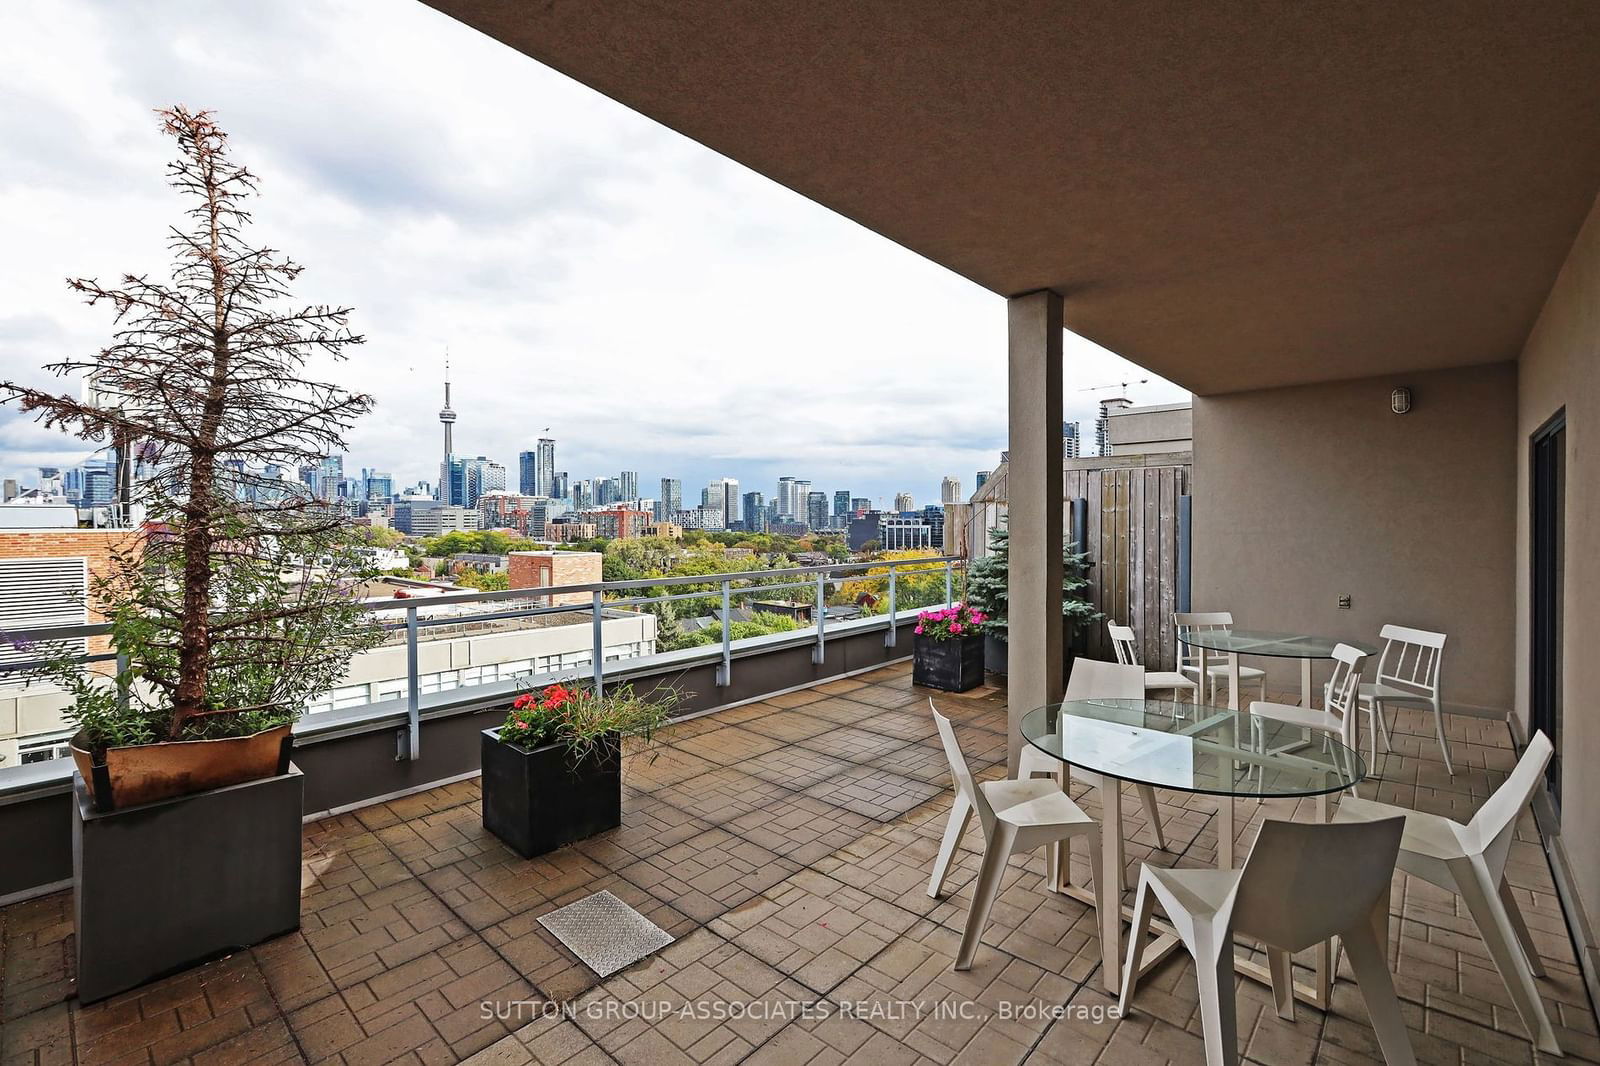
(236, 604)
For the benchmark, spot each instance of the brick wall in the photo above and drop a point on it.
(531, 570)
(93, 545)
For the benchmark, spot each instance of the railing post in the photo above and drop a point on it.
(949, 587)
(888, 638)
(725, 671)
(411, 742)
(819, 649)
(122, 681)
(599, 645)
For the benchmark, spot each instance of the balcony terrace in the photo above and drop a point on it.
(786, 845)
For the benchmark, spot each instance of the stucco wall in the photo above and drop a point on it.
(1305, 494)
(1560, 367)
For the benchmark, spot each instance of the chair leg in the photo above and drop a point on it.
(1151, 811)
(1383, 729)
(1444, 746)
(960, 818)
(1213, 964)
(1483, 903)
(1144, 906)
(1520, 927)
(1377, 990)
(995, 853)
(1282, 969)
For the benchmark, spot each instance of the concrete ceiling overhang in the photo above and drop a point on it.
(1235, 195)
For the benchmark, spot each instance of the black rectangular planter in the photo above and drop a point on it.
(951, 665)
(537, 801)
(164, 886)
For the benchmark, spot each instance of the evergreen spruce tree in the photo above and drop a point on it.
(987, 579)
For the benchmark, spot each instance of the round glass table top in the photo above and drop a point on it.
(1192, 749)
(1261, 642)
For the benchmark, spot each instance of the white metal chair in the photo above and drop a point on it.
(1124, 643)
(1303, 883)
(1336, 719)
(1096, 679)
(1408, 672)
(1016, 815)
(1189, 661)
(1470, 860)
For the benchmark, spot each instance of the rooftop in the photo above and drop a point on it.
(786, 845)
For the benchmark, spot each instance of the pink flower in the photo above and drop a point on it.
(917, 630)
(955, 627)
(977, 616)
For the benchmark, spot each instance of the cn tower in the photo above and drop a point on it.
(447, 415)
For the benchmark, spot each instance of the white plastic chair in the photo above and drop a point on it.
(1302, 883)
(1189, 662)
(1470, 860)
(1096, 679)
(1336, 719)
(1016, 815)
(1123, 642)
(1408, 672)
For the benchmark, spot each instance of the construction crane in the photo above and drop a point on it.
(1115, 385)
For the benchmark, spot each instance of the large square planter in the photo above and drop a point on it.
(537, 800)
(163, 886)
(951, 665)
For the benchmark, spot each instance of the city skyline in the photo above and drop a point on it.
(521, 265)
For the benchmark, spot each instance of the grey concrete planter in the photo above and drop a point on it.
(537, 800)
(167, 885)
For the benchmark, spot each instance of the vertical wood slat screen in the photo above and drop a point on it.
(1132, 538)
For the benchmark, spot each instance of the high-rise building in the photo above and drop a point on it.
(582, 495)
(817, 510)
(950, 490)
(562, 488)
(860, 505)
(99, 488)
(544, 467)
(841, 503)
(1071, 440)
(671, 501)
(528, 473)
(467, 479)
(982, 480)
(376, 485)
(755, 512)
(791, 499)
(723, 493)
(607, 491)
(328, 478)
(1102, 425)
(903, 502)
(629, 483)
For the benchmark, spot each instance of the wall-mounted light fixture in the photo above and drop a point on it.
(1400, 400)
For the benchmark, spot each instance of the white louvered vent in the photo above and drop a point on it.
(36, 593)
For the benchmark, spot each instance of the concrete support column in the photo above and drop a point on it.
(1034, 487)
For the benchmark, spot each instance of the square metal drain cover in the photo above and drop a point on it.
(605, 932)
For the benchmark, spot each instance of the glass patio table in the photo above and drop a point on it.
(1213, 751)
(1232, 643)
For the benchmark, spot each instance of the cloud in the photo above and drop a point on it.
(660, 308)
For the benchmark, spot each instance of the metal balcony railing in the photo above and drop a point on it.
(706, 587)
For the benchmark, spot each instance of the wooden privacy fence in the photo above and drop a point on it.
(1129, 523)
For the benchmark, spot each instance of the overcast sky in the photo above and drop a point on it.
(657, 306)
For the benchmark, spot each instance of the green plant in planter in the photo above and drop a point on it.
(988, 577)
(574, 717)
(235, 602)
